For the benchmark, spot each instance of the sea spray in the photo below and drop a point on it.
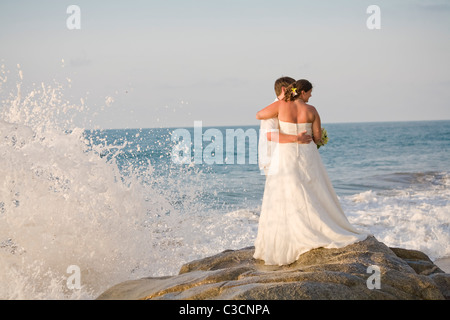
(62, 204)
(89, 199)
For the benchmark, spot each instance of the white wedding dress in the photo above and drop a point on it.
(300, 210)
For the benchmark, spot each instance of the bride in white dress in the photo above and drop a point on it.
(300, 210)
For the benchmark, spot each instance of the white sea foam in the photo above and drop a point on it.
(61, 206)
(62, 203)
(416, 217)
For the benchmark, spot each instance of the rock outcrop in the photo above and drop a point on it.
(364, 270)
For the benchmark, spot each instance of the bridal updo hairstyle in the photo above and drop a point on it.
(294, 90)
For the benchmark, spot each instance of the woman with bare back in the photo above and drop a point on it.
(300, 209)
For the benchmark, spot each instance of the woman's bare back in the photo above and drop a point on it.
(299, 112)
(296, 112)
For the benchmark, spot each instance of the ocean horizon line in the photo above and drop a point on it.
(257, 125)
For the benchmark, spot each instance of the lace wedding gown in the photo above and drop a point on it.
(300, 210)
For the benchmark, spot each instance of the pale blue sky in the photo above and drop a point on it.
(170, 63)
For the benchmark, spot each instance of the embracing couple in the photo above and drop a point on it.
(300, 209)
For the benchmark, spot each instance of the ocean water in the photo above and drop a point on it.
(118, 205)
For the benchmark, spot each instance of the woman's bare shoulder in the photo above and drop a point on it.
(311, 108)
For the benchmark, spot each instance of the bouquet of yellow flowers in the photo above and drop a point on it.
(324, 138)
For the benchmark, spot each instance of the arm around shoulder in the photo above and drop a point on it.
(271, 111)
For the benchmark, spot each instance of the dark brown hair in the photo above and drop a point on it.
(294, 90)
(282, 82)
